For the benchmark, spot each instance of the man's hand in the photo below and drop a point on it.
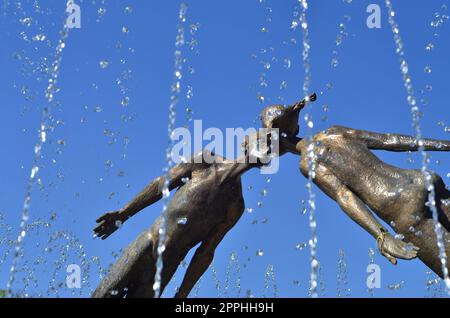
(392, 248)
(108, 223)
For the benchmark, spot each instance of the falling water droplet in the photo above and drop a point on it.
(128, 10)
(100, 13)
(260, 98)
(334, 62)
(294, 25)
(109, 163)
(264, 192)
(104, 64)
(399, 237)
(39, 37)
(190, 92)
(182, 221)
(125, 101)
(287, 63)
(26, 21)
(185, 179)
(300, 246)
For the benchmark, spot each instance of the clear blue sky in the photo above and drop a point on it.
(86, 173)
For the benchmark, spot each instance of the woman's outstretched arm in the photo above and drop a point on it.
(393, 142)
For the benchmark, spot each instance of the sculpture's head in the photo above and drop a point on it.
(284, 118)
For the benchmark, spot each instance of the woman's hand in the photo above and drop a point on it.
(392, 248)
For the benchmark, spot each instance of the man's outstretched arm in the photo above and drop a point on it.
(394, 142)
(110, 222)
(153, 191)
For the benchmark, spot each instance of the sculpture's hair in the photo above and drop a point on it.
(285, 118)
(281, 117)
(270, 113)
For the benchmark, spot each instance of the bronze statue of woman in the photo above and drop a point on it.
(350, 174)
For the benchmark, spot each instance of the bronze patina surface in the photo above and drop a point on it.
(210, 203)
(350, 174)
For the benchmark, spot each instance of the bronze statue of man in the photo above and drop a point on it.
(207, 204)
(349, 173)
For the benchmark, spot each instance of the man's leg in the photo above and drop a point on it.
(135, 267)
(201, 260)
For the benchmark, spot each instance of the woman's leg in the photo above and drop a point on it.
(415, 221)
(424, 237)
(442, 200)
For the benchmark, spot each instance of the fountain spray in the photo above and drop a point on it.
(174, 98)
(415, 111)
